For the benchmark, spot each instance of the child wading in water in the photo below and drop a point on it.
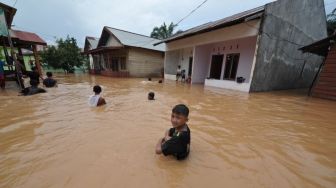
(96, 99)
(177, 139)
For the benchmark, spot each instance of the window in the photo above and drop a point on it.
(115, 64)
(231, 66)
(216, 66)
(122, 63)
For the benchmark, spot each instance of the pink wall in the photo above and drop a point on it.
(245, 46)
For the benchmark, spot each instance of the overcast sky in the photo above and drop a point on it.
(80, 18)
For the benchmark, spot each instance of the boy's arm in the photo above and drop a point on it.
(158, 149)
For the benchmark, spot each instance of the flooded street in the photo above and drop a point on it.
(277, 139)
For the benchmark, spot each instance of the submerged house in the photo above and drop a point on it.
(324, 85)
(90, 44)
(120, 53)
(252, 51)
(18, 41)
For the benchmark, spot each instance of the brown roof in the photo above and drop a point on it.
(320, 47)
(24, 37)
(225, 22)
(9, 13)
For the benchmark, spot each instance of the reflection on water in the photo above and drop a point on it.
(278, 139)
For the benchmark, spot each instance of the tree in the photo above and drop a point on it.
(331, 22)
(163, 31)
(66, 55)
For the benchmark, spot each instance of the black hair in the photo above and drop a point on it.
(49, 74)
(149, 79)
(97, 89)
(151, 95)
(179, 66)
(181, 109)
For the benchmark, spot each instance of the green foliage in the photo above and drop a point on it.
(163, 31)
(331, 22)
(65, 56)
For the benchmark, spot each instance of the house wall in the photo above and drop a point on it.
(246, 47)
(229, 33)
(144, 63)
(175, 58)
(201, 64)
(176, 49)
(279, 63)
(170, 63)
(113, 42)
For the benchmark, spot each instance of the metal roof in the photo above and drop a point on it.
(93, 42)
(24, 37)
(320, 47)
(127, 38)
(90, 43)
(225, 22)
(9, 13)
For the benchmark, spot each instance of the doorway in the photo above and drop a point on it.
(190, 66)
(216, 66)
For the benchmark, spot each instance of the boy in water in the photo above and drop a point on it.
(177, 139)
(178, 73)
(49, 81)
(96, 99)
(33, 89)
(151, 96)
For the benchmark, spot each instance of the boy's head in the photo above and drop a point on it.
(151, 95)
(179, 66)
(49, 74)
(149, 79)
(179, 116)
(97, 89)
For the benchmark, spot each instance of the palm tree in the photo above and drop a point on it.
(331, 22)
(163, 31)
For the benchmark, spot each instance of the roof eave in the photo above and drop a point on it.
(254, 16)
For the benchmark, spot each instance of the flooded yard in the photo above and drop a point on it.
(278, 139)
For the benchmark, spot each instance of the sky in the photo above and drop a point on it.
(52, 19)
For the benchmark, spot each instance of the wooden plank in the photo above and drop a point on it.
(327, 74)
(327, 79)
(324, 96)
(332, 94)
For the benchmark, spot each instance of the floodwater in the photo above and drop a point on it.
(277, 139)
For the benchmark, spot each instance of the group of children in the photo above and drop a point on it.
(35, 81)
(182, 74)
(176, 141)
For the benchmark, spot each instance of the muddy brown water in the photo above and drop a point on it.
(278, 139)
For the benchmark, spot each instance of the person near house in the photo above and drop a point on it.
(49, 81)
(2, 75)
(183, 76)
(34, 75)
(151, 96)
(178, 72)
(176, 141)
(96, 100)
(33, 89)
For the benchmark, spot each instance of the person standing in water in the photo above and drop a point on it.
(49, 81)
(33, 89)
(176, 141)
(2, 75)
(96, 100)
(178, 72)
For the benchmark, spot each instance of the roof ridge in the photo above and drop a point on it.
(131, 32)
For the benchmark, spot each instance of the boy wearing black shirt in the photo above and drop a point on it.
(177, 139)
